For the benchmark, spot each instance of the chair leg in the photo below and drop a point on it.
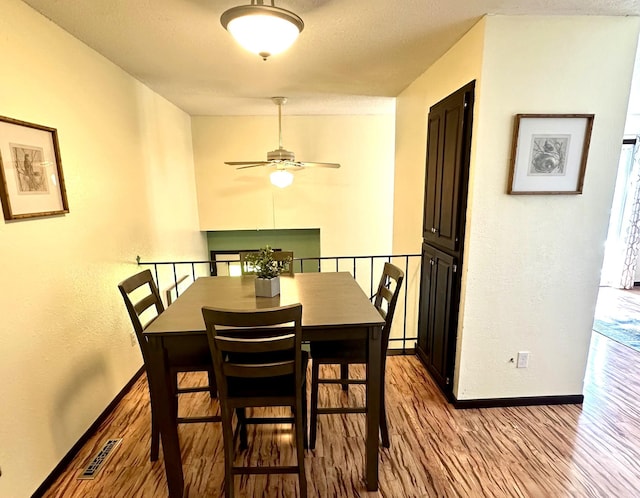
(344, 375)
(384, 429)
(213, 392)
(300, 428)
(227, 438)
(155, 438)
(242, 422)
(305, 427)
(174, 394)
(313, 423)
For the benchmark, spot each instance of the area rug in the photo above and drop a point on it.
(623, 330)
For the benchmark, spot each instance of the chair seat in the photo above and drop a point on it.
(354, 350)
(269, 387)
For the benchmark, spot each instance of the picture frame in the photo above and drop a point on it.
(549, 153)
(31, 180)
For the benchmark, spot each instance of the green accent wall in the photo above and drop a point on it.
(305, 243)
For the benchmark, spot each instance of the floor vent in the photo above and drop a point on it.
(101, 457)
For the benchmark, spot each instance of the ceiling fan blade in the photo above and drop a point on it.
(323, 165)
(253, 165)
(244, 163)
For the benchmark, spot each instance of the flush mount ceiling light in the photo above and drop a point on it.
(262, 29)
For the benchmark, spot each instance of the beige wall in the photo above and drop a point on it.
(352, 205)
(532, 263)
(460, 65)
(65, 345)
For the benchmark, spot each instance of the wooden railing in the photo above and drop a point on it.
(173, 277)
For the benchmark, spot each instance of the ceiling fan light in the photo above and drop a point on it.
(262, 29)
(281, 178)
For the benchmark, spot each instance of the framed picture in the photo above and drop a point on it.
(549, 153)
(31, 180)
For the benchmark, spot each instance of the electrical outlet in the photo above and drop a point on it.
(523, 359)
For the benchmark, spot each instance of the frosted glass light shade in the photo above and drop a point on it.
(261, 29)
(281, 178)
(263, 35)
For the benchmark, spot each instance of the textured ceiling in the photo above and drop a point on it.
(352, 56)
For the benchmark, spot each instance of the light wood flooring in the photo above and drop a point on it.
(618, 303)
(591, 450)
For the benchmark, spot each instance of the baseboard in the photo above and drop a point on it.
(401, 352)
(66, 460)
(573, 399)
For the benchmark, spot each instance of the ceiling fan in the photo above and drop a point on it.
(282, 158)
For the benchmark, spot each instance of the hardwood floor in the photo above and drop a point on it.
(618, 303)
(591, 450)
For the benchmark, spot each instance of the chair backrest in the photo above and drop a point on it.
(287, 256)
(386, 297)
(140, 295)
(255, 344)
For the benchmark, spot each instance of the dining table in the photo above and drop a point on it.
(334, 307)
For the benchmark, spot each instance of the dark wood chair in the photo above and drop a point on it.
(287, 256)
(143, 302)
(345, 353)
(258, 364)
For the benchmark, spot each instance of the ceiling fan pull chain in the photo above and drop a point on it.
(280, 125)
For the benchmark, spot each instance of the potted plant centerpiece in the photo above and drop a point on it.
(267, 271)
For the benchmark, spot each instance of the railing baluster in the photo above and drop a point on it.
(175, 279)
(371, 276)
(406, 294)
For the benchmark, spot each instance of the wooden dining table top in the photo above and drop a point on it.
(329, 300)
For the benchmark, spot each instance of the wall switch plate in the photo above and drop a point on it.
(523, 359)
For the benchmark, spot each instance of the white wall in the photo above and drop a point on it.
(532, 263)
(632, 125)
(352, 205)
(65, 347)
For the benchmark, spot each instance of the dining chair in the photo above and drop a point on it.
(286, 256)
(258, 362)
(142, 299)
(348, 352)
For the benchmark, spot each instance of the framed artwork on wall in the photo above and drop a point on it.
(31, 179)
(549, 153)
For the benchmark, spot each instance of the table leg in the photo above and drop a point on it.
(374, 378)
(159, 383)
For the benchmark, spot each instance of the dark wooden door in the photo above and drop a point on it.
(438, 312)
(445, 204)
(446, 142)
